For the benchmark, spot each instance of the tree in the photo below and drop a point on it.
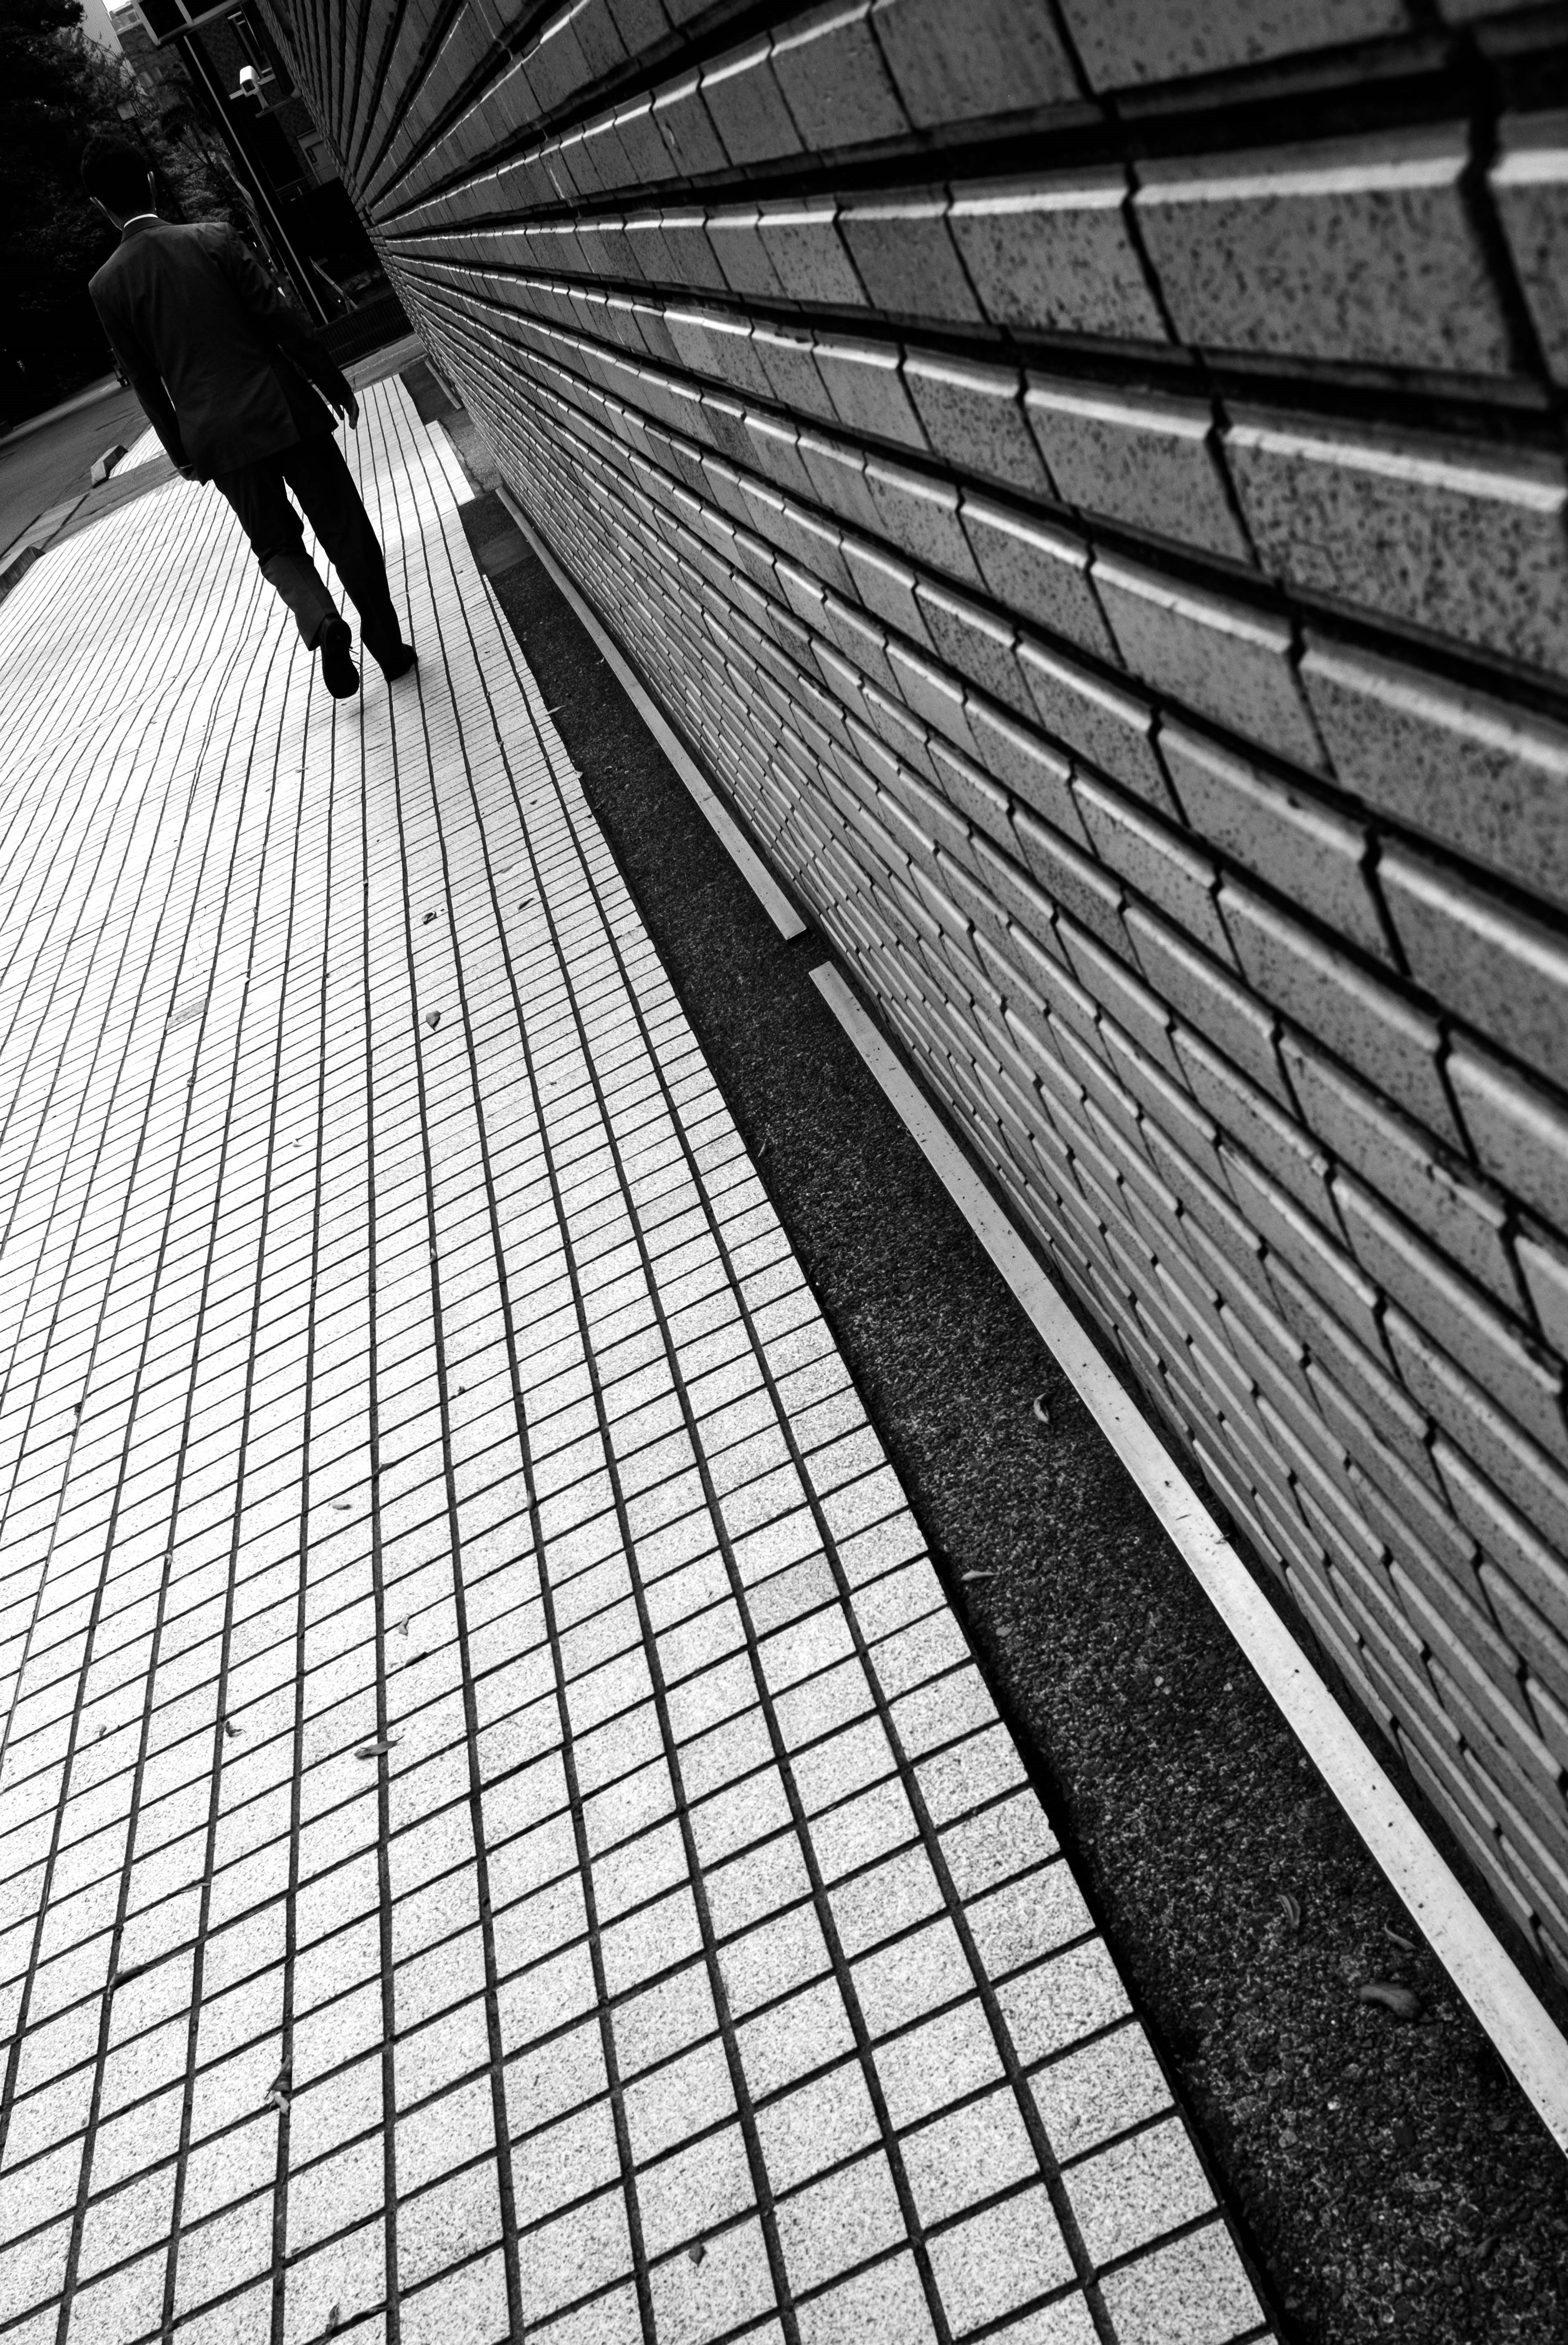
(54, 87)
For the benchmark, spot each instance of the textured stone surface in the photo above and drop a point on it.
(1529, 184)
(1217, 656)
(1125, 43)
(1150, 463)
(1351, 250)
(1463, 767)
(1467, 547)
(1055, 253)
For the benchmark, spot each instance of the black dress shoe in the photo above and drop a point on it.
(338, 673)
(399, 663)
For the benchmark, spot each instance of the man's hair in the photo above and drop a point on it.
(116, 172)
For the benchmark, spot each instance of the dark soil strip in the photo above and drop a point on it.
(1393, 2180)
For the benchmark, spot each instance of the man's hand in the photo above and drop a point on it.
(188, 473)
(348, 408)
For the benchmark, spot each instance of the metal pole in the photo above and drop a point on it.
(191, 51)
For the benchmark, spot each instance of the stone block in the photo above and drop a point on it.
(1466, 768)
(832, 73)
(802, 240)
(1544, 1270)
(1458, 1316)
(673, 247)
(747, 107)
(1037, 569)
(1207, 997)
(1256, 1124)
(972, 415)
(637, 133)
(1127, 44)
(1431, 1185)
(907, 260)
(683, 122)
(1224, 658)
(1055, 254)
(980, 646)
(790, 363)
(839, 474)
(1150, 463)
(737, 243)
(1480, 1428)
(1312, 854)
(1518, 1131)
(887, 586)
(866, 384)
(920, 516)
(1507, 971)
(1363, 1021)
(1023, 763)
(990, 57)
(716, 343)
(1458, 541)
(1109, 727)
(1155, 861)
(936, 698)
(1359, 250)
(1529, 184)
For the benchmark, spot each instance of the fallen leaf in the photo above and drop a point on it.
(229, 1727)
(432, 1018)
(1403, 2002)
(341, 1505)
(377, 1750)
(1404, 2133)
(1289, 1908)
(697, 2252)
(428, 917)
(335, 2318)
(1039, 1411)
(1409, 1944)
(980, 1575)
(278, 2092)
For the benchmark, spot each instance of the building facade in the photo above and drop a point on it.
(1087, 477)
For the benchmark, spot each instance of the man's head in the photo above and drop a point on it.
(116, 176)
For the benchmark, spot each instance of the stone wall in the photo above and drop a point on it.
(1087, 477)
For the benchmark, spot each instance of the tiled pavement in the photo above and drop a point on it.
(502, 1833)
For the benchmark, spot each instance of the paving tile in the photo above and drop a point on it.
(615, 1851)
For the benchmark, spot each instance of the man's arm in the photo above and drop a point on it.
(284, 322)
(135, 363)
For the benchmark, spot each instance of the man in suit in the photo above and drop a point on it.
(237, 389)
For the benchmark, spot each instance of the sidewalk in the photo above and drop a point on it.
(501, 1832)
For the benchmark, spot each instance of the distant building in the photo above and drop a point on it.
(97, 23)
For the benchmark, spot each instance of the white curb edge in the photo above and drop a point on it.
(753, 870)
(1485, 1975)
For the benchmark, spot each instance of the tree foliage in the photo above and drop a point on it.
(56, 86)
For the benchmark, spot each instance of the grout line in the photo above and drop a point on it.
(753, 870)
(1502, 1998)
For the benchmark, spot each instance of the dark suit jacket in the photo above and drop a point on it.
(219, 360)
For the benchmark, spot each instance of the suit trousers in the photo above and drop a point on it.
(315, 471)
